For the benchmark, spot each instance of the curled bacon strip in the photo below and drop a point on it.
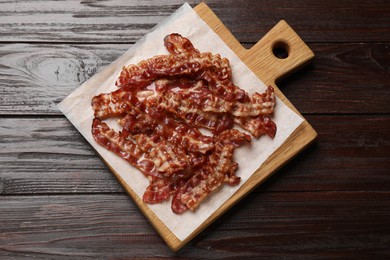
(201, 98)
(167, 158)
(192, 113)
(160, 104)
(178, 65)
(219, 169)
(127, 149)
(118, 103)
(158, 191)
(176, 44)
(198, 106)
(162, 126)
(257, 126)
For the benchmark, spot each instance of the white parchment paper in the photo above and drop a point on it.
(77, 108)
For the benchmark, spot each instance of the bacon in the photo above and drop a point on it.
(128, 150)
(161, 102)
(166, 84)
(260, 104)
(257, 126)
(223, 87)
(160, 124)
(199, 107)
(199, 97)
(191, 113)
(266, 100)
(151, 158)
(137, 122)
(220, 169)
(118, 103)
(178, 65)
(158, 191)
(111, 104)
(166, 157)
(233, 137)
(175, 44)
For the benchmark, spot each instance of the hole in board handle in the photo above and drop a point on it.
(281, 50)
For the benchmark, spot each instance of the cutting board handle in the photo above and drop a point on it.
(261, 57)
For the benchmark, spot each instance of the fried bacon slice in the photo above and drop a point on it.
(198, 106)
(159, 190)
(127, 149)
(200, 97)
(220, 168)
(167, 158)
(152, 158)
(257, 126)
(176, 44)
(191, 113)
(165, 84)
(178, 65)
(118, 103)
(162, 125)
(160, 104)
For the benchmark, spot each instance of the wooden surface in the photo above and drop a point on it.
(58, 200)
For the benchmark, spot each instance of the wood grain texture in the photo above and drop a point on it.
(127, 21)
(35, 77)
(49, 156)
(298, 224)
(343, 79)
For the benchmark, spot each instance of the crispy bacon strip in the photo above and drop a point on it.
(260, 104)
(112, 104)
(158, 191)
(197, 107)
(191, 114)
(128, 150)
(118, 103)
(257, 126)
(166, 84)
(220, 169)
(152, 121)
(151, 158)
(178, 65)
(161, 189)
(175, 44)
(233, 137)
(166, 157)
(199, 97)
(137, 122)
(223, 87)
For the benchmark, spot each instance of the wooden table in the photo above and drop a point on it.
(59, 201)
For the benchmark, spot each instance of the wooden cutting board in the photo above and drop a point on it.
(262, 61)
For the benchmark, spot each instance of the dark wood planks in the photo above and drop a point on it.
(35, 77)
(49, 156)
(298, 224)
(127, 21)
(344, 78)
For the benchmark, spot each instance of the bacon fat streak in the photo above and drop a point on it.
(160, 104)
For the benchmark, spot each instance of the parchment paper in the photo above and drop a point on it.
(76, 107)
